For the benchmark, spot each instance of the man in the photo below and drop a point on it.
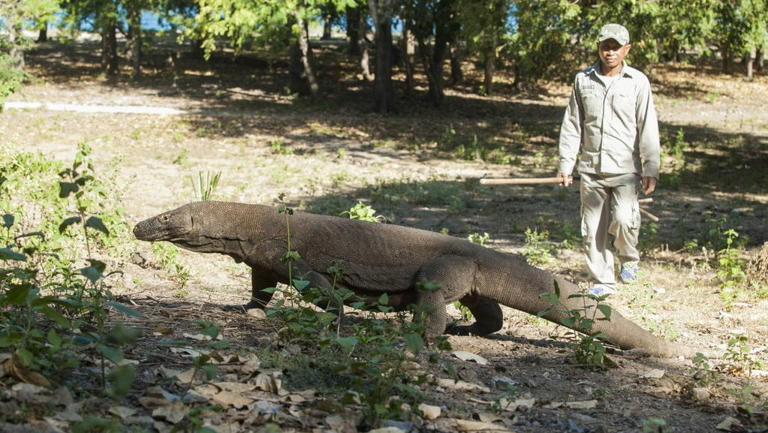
(611, 119)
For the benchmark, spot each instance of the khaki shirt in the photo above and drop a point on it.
(615, 127)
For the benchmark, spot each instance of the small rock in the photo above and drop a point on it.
(728, 424)
(467, 356)
(428, 411)
(653, 374)
(700, 394)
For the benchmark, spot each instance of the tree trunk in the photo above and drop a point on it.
(760, 60)
(327, 23)
(303, 79)
(381, 12)
(726, 53)
(42, 35)
(489, 68)
(134, 32)
(353, 30)
(457, 76)
(109, 60)
(435, 74)
(750, 60)
(410, 54)
(15, 51)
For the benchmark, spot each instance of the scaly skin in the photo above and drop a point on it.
(381, 258)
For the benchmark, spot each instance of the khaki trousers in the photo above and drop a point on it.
(610, 216)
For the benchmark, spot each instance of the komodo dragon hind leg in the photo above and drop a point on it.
(487, 314)
(455, 275)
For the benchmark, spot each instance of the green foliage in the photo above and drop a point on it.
(587, 349)
(702, 371)
(367, 356)
(479, 239)
(538, 249)
(362, 212)
(11, 77)
(738, 355)
(278, 147)
(51, 302)
(206, 185)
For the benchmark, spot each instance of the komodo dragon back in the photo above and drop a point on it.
(382, 258)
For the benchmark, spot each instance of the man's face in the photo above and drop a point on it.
(612, 53)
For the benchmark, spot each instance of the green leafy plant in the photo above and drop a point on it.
(738, 355)
(279, 147)
(206, 184)
(363, 212)
(587, 349)
(702, 371)
(479, 239)
(538, 249)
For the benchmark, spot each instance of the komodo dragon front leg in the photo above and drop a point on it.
(456, 276)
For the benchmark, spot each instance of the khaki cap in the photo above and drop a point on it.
(616, 32)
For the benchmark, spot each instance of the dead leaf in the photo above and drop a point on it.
(173, 413)
(267, 407)
(460, 385)
(17, 370)
(473, 426)
(187, 352)
(389, 429)
(586, 404)
(251, 364)
(200, 337)
(428, 411)
(234, 399)
(728, 424)
(232, 427)
(234, 386)
(269, 382)
(257, 313)
(653, 374)
(468, 356)
(122, 412)
(162, 330)
(518, 403)
(489, 417)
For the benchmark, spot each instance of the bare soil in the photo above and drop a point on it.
(327, 154)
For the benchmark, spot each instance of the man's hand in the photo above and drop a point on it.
(649, 184)
(565, 179)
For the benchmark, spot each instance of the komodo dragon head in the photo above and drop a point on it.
(200, 226)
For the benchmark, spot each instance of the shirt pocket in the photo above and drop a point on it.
(624, 122)
(592, 100)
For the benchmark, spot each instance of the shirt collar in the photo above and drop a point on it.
(625, 69)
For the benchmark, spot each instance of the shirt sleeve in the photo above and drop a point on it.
(570, 132)
(647, 131)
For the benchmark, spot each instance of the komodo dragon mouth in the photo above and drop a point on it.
(160, 228)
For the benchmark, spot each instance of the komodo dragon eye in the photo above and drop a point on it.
(165, 218)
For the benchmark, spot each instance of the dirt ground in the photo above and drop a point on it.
(328, 154)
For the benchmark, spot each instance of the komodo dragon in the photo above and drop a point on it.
(381, 258)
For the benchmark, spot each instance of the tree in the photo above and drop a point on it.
(541, 42)
(434, 26)
(381, 13)
(272, 22)
(483, 27)
(17, 15)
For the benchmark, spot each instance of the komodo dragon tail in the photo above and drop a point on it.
(618, 330)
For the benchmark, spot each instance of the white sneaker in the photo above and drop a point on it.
(601, 290)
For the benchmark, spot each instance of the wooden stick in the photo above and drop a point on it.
(520, 180)
(650, 216)
(645, 200)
